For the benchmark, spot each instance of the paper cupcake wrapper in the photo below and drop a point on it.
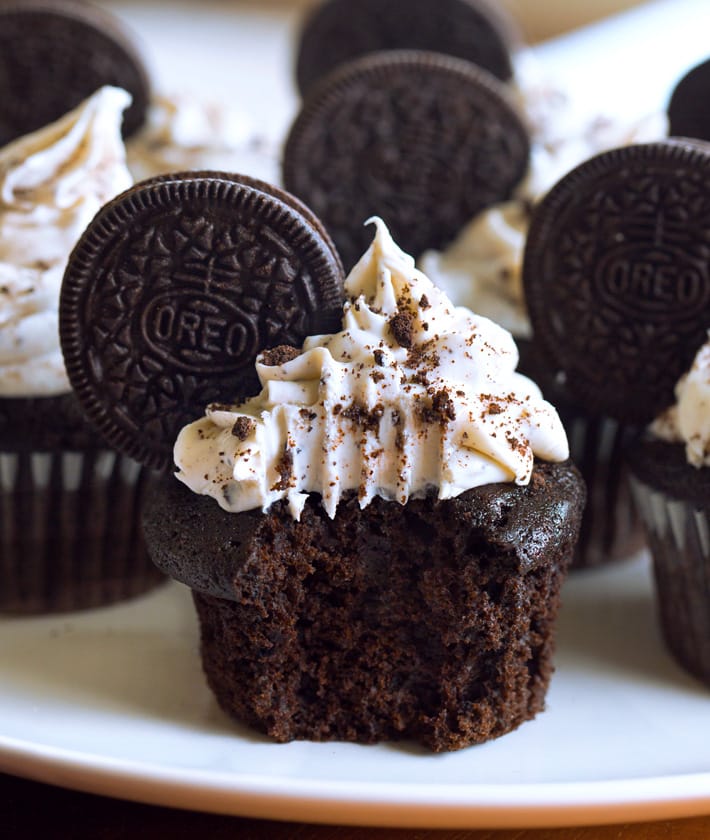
(611, 529)
(679, 539)
(70, 535)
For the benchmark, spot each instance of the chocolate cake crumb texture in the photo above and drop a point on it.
(431, 622)
(153, 331)
(616, 276)
(340, 30)
(423, 140)
(54, 55)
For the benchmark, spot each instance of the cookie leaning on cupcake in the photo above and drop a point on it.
(354, 520)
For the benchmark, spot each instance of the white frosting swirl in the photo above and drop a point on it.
(412, 394)
(182, 133)
(52, 183)
(481, 269)
(688, 421)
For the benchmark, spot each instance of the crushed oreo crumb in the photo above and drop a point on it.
(361, 416)
(285, 470)
(402, 328)
(279, 355)
(243, 427)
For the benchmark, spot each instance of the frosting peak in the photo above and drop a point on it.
(413, 395)
(52, 183)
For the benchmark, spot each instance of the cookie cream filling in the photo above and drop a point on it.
(183, 133)
(52, 183)
(482, 267)
(688, 421)
(413, 395)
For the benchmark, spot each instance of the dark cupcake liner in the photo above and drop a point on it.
(70, 534)
(611, 528)
(679, 539)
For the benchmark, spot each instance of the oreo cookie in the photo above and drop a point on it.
(272, 190)
(338, 31)
(53, 55)
(425, 141)
(172, 291)
(688, 112)
(617, 276)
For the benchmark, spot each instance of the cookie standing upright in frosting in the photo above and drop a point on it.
(70, 537)
(389, 477)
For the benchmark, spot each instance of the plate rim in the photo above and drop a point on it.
(393, 805)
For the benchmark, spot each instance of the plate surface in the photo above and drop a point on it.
(113, 701)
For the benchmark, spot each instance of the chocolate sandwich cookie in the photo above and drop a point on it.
(423, 140)
(338, 31)
(617, 275)
(294, 203)
(53, 55)
(688, 113)
(173, 290)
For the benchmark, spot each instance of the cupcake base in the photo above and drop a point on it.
(673, 498)
(431, 622)
(70, 535)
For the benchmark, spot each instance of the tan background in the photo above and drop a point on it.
(542, 19)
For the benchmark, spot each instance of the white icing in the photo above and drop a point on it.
(52, 183)
(182, 133)
(481, 269)
(688, 421)
(359, 411)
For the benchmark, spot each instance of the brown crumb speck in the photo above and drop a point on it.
(402, 328)
(279, 355)
(243, 427)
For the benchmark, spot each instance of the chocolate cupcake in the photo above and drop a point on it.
(670, 468)
(390, 524)
(70, 533)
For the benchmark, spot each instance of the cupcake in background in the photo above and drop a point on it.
(482, 269)
(670, 469)
(69, 532)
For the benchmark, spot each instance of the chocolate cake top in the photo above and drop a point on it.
(412, 396)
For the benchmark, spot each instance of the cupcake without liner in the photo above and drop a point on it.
(70, 534)
(482, 269)
(376, 543)
(670, 469)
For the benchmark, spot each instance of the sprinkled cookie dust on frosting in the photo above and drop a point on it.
(412, 395)
(184, 133)
(688, 421)
(52, 183)
(482, 268)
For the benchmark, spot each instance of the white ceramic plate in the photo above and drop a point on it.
(113, 701)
